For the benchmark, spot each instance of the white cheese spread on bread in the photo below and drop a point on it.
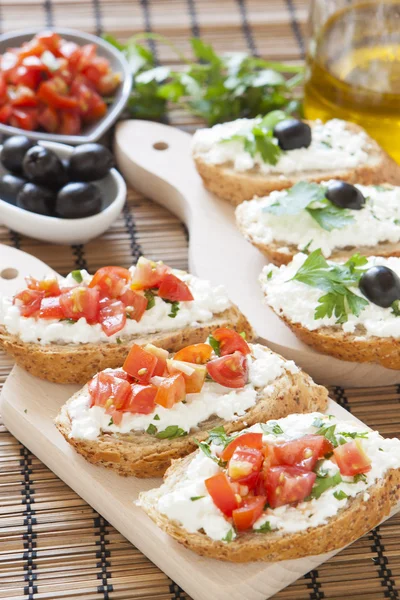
(378, 221)
(298, 301)
(333, 148)
(264, 368)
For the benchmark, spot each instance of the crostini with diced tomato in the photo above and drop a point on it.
(159, 406)
(283, 489)
(67, 329)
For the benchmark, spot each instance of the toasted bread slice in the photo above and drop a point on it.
(353, 521)
(77, 363)
(140, 454)
(237, 186)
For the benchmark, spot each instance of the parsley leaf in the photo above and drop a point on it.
(69, 321)
(171, 432)
(150, 296)
(194, 498)
(324, 483)
(77, 275)
(396, 308)
(215, 345)
(329, 433)
(228, 537)
(355, 434)
(318, 422)
(219, 436)
(340, 495)
(334, 279)
(174, 309)
(330, 216)
(205, 448)
(264, 528)
(111, 422)
(119, 341)
(273, 428)
(156, 418)
(152, 429)
(297, 199)
(360, 477)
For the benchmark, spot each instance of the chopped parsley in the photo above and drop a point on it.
(355, 434)
(335, 279)
(329, 433)
(174, 310)
(156, 418)
(269, 274)
(152, 429)
(311, 197)
(229, 536)
(119, 341)
(194, 498)
(150, 296)
(205, 448)
(273, 428)
(69, 321)
(396, 308)
(26, 410)
(215, 345)
(360, 477)
(219, 437)
(340, 495)
(324, 483)
(243, 334)
(77, 275)
(111, 422)
(171, 432)
(264, 528)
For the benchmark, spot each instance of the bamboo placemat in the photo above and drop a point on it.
(53, 545)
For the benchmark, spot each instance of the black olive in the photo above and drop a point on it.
(89, 162)
(345, 195)
(37, 199)
(78, 200)
(381, 286)
(10, 186)
(292, 134)
(13, 152)
(43, 166)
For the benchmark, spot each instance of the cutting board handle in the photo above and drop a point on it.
(157, 159)
(15, 265)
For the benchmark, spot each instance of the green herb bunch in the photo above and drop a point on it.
(214, 87)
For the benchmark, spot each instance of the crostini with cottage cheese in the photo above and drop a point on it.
(299, 486)
(335, 216)
(349, 310)
(157, 408)
(67, 329)
(253, 157)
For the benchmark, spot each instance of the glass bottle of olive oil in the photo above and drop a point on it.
(353, 66)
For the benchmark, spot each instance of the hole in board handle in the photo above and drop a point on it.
(160, 146)
(9, 273)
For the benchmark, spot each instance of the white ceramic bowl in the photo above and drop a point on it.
(67, 231)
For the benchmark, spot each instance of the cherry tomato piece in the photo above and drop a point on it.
(140, 364)
(141, 400)
(174, 289)
(247, 514)
(194, 381)
(303, 452)
(245, 464)
(148, 274)
(28, 302)
(247, 440)
(112, 316)
(81, 302)
(135, 304)
(230, 341)
(351, 458)
(111, 280)
(170, 390)
(222, 494)
(230, 371)
(50, 308)
(196, 353)
(288, 485)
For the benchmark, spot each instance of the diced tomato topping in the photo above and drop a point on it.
(22, 96)
(288, 485)
(55, 93)
(111, 281)
(222, 494)
(24, 119)
(50, 40)
(108, 83)
(81, 302)
(270, 457)
(230, 341)
(120, 393)
(194, 380)
(247, 514)
(5, 113)
(351, 458)
(32, 48)
(50, 308)
(141, 400)
(170, 390)
(50, 287)
(244, 465)
(161, 355)
(247, 440)
(230, 371)
(70, 123)
(135, 304)
(121, 374)
(196, 353)
(174, 289)
(100, 388)
(97, 108)
(28, 302)
(148, 274)
(9, 61)
(112, 316)
(303, 452)
(48, 118)
(140, 364)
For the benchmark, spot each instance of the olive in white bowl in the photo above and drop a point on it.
(111, 190)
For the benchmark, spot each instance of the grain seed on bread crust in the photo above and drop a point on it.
(236, 186)
(77, 363)
(353, 521)
(142, 455)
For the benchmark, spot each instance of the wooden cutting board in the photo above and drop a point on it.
(156, 160)
(28, 406)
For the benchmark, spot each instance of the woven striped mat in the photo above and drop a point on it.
(52, 544)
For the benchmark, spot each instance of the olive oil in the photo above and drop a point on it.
(353, 71)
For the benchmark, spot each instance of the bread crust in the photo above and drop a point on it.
(353, 521)
(142, 455)
(77, 363)
(349, 346)
(235, 187)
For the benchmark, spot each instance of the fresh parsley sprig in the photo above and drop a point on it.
(311, 197)
(214, 87)
(335, 280)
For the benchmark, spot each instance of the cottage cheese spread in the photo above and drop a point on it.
(202, 514)
(228, 404)
(298, 301)
(208, 301)
(378, 221)
(333, 147)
